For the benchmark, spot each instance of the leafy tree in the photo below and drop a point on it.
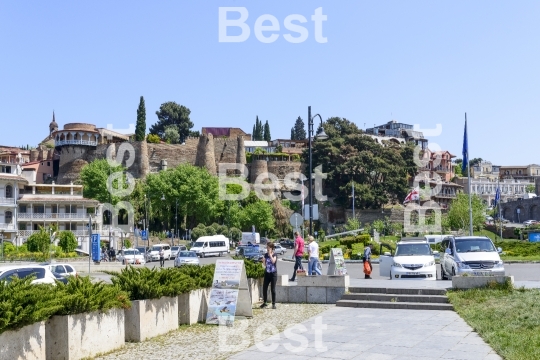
(299, 130)
(281, 215)
(153, 139)
(266, 135)
(352, 224)
(380, 173)
(172, 114)
(140, 128)
(458, 215)
(259, 214)
(94, 179)
(39, 241)
(67, 241)
(171, 135)
(258, 131)
(530, 188)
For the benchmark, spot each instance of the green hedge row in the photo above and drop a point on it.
(518, 248)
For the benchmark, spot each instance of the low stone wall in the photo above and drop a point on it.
(149, 318)
(193, 306)
(313, 290)
(84, 335)
(27, 343)
(255, 288)
(471, 282)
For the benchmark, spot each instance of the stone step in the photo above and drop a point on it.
(393, 305)
(397, 291)
(434, 299)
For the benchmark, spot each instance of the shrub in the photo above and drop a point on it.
(253, 270)
(153, 139)
(202, 275)
(9, 248)
(67, 241)
(39, 241)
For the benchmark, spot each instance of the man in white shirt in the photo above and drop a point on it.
(313, 250)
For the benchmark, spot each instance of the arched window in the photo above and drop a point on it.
(9, 191)
(8, 217)
(107, 217)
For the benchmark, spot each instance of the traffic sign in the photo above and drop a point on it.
(96, 249)
(144, 235)
(296, 220)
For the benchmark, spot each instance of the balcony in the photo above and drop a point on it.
(7, 227)
(7, 201)
(55, 216)
(103, 233)
(75, 142)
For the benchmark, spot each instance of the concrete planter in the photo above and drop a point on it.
(27, 343)
(471, 282)
(193, 306)
(150, 318)
(84, 335)
(255, 288)
(313, 290)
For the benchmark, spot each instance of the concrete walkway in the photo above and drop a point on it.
(355, 333)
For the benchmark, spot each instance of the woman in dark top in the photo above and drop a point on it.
(270, 274)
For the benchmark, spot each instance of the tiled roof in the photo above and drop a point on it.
(12, 177)
(27, 198)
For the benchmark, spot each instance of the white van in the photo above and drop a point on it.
(154, 252)
(211, 245)
(248, 237)
(435, 239)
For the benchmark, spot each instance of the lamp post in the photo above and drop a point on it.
(2, 239)
(176, 220)
(321, 136)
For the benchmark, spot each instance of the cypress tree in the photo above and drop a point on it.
(140, 128)
(293, 137)
(266, 135)
(300, 129)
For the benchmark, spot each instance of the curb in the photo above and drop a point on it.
(373, 261)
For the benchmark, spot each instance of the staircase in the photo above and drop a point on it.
(387, 298)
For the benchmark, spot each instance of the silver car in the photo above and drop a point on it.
(176, 249)
(186, 258)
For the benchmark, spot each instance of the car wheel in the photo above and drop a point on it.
(443, 275)
(202, 255)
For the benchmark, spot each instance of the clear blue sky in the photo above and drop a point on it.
(418, 62)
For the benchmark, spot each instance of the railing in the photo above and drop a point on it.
(103, 233)
(4, 226)
(53, 216)
(75, 142)
(4, 200)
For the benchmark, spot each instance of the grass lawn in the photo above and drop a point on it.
(520, 258)
(507, 319)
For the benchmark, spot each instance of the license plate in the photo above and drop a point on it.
(482, 273)
(412, 273)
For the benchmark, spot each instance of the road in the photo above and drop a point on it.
(521, 272)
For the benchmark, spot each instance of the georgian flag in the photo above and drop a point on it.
(414, 195)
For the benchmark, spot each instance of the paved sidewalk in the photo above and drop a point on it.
(355, 333)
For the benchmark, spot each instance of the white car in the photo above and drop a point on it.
(130, 256)
(186, 258)
(413, 259)
(529, 222)
(473, 255)
(62, 269)
(280, 249)
(42, 273)
(177, 248)
(154, 252)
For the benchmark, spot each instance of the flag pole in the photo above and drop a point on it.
(499, 204)
(469, 182)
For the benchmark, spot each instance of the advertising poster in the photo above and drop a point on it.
(337, 263)
(224, 294)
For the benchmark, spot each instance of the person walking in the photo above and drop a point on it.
(313, 250)
(367, 261)
(161, 257)
(270, 274)
(298, 253)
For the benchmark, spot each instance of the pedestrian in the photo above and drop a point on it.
(313, 250)
(298, 253)
(367, 261)
(161, 257)
(270, 274)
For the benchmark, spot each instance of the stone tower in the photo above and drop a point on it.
(53, 126)
(205, 153)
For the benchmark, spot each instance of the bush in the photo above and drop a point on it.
(153, 139)
(39, 241)
(67, 241)
(253, 270)
(127, 243)
(9, 248)
(518, 248)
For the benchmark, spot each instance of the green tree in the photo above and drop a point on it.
(458, 215)
(171, 135)
(172, 114)
(352, 224)
(530, 188)
(140, 128)
(258, 130)
(67, 241)
(39, 241)
(153, 139)
(266, 135)
(293, 134)
(299, 129)
(259, 214)
(94, 179)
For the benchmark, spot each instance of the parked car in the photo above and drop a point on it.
(60, 278)
(130, 256)
(251, 253)
(473, 255)
(154, 252)
(42, 273)
(413, 259)
(61, 269)
(238, 249)
(177, 248)
(280, 249)
(287, 243)
(145, 251)
(186, 258)
(530, 222)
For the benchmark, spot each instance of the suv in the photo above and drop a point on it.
(154, 252)
(287, 244)
(474, 255)
(413, 259)
(42, 273)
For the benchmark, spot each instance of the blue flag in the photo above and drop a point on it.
(465, 152)
(497, 195)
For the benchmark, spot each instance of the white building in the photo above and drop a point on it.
(486, 188)
(10, 184)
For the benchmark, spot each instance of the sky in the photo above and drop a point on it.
(416, 62)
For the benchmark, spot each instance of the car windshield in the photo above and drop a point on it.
(187, 254)
(413, 250)
(131, 252)
(141, 249)
(175, 248)
(198, 244)
(251, 251)
(156, 248)
(474, 245)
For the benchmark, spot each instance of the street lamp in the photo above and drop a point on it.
(321, 136)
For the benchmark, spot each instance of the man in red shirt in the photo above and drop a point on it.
(298, 254)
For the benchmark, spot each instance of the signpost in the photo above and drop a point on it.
(230, 294)
(96, 249)
(144, 235)
(337, 263)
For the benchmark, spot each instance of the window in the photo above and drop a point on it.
(22, 209)
(5, 169)
(9, 191)
(48, 163)
(39, 209)
(71, 209)
(8, 217)
(54, 209)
